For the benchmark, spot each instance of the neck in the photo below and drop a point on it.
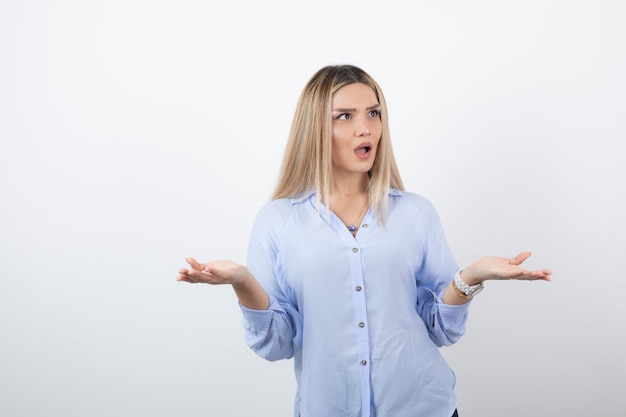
(350, 187)
(349, 201)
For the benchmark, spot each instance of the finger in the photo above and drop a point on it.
(545, 274)
(533, 275)
(519, 258)
(184, 278)
(195, 264)
(202, 276)
(541, 273)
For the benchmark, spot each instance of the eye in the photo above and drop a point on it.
(374, 113)
(343, 116)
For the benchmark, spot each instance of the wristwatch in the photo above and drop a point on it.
(468, 290)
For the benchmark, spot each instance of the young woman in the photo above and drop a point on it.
(348, 273)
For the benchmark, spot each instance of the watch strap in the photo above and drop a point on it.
(468, 290)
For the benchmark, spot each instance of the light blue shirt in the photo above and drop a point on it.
(361, 316)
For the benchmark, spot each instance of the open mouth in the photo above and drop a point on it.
(364, 150)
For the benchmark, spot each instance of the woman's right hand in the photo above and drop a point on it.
(247, 288)
(217, 272)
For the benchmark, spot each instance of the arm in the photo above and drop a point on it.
(272, 324)
(494, 268)
(441, 307)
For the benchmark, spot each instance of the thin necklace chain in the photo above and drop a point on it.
(352, 227)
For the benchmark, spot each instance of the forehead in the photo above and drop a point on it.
(354, 96)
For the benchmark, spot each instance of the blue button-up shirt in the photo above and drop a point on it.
(361, 316)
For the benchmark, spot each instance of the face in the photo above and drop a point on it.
(356, 129)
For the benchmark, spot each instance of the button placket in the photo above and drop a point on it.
(360, 309)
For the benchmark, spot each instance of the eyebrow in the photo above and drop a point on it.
(375, 106)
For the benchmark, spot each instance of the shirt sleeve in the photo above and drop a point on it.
(274, 333)
(445, 323)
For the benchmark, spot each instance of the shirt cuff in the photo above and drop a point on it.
(451, 313)
(258, 321)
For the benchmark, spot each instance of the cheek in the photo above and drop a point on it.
(376, 132)
(341, 138)
(335, 153)
(377, 127)
(339, 133)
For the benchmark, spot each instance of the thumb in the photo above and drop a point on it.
(194, 264)
(519, 258)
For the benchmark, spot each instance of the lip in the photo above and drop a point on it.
(364, 150)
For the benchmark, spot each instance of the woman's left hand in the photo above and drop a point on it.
(494, 267)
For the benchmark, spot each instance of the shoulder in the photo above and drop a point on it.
(411, 200)
(406, 208)
(277, 212)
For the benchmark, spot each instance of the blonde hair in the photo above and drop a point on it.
(307, 162)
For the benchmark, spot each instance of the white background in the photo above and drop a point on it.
(136, 133)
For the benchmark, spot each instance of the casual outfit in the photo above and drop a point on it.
(362, 316)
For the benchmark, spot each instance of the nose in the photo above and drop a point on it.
(362, 130)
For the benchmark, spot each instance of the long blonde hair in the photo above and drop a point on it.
(307, 162)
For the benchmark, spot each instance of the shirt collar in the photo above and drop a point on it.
(302, 197)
